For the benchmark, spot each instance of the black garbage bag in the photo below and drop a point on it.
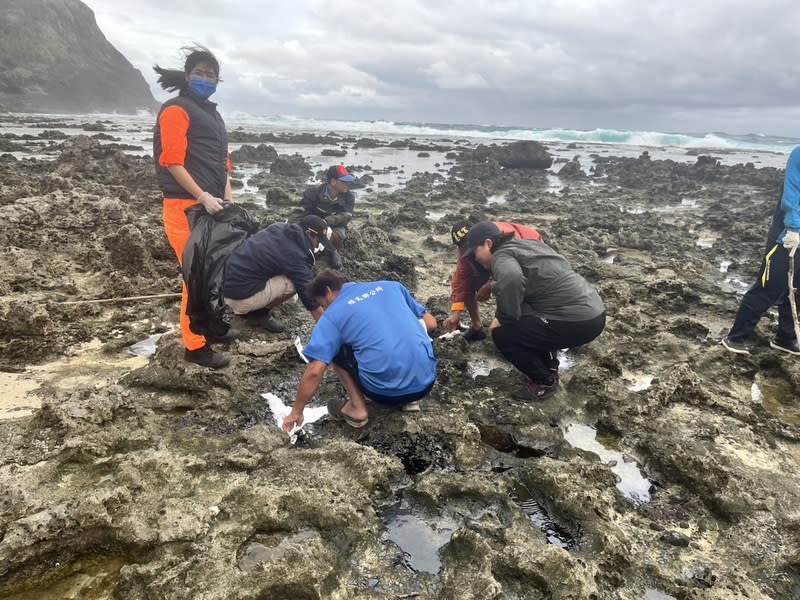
(213, 240)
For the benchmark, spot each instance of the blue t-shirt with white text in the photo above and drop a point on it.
(380, 321)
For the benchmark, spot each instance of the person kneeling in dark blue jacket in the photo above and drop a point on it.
(270, 267)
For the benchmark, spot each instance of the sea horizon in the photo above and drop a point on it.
(717, 140)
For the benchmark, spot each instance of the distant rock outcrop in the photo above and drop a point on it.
(526, 154)
(54, 58)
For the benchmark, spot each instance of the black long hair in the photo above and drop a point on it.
(173, 80)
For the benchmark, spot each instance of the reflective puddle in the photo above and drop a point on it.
(567, 360)
(262, 550)
(631, 482)
(563, 535)
(775, 395)
(706, 239)
(484, 366)
(608, 258)
(95, 578)
(652, 594)
(419, 540)
(554, 184)
(736, 284)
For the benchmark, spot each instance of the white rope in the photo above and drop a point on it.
(125, 299)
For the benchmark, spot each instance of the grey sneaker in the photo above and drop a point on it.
(737, 347)
(790, 347)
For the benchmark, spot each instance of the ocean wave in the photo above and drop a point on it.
(712, 140)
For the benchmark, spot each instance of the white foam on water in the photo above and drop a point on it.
(497, 199)
(724, 265)
(631, 483)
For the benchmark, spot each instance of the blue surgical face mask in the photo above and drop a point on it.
(202, 87)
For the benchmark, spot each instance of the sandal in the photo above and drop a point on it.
(335, 412)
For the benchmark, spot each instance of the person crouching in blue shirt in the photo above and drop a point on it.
(372, 334)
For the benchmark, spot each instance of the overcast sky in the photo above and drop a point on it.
(662, 65)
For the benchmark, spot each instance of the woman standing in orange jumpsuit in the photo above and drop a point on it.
(190, 148)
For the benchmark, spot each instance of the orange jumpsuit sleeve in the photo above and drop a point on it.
(174, 125)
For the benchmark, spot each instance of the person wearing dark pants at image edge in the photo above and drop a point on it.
(542, 305)
(772, 285)
(334, 202)
(373, 334)
(190, 149)
(471, 283)
(270, 267)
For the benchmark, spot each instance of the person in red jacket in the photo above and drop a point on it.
(471, 283)
(190, 149)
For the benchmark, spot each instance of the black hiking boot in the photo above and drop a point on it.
(263, 318)
(206, 357)
(231, 335)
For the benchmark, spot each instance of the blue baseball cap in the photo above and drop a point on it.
(340, 172)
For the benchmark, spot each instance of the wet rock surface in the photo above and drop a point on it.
(172, 481)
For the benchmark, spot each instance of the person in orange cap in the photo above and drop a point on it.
(334, 202)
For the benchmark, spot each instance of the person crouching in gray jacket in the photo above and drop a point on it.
(542, 305)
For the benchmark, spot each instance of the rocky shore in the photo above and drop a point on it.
(139, 479)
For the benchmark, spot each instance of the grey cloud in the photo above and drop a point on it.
(583, 63)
